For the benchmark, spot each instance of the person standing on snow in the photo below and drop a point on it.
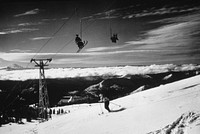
(106, 101)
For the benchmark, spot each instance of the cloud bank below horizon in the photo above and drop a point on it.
(98, 71)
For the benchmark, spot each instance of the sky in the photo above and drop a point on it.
(149, 32)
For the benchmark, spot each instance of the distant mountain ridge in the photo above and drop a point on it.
(14, 67)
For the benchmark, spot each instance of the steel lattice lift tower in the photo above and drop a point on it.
(43, 94)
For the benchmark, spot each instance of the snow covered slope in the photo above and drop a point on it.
(168, 109)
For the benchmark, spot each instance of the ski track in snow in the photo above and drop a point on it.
(181, 125)
(168, 109)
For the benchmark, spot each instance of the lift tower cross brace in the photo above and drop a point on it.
(43, 94)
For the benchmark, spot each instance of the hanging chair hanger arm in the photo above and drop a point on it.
(109, 25)
(110, 28)
(81, 28)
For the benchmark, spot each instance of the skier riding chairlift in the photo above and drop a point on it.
(79, 41)
(114, 38)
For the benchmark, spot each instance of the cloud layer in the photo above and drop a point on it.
(139, 11)
(17, 30)
(40, 38)
(30, 24)
(31, 12)
(20, 51)
(175, 33)
(100, 71)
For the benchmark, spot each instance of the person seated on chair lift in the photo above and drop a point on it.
(114, 38)
(79, 42)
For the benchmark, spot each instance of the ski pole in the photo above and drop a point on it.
(101, 108)
(115, 104)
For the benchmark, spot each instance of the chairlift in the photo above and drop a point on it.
(81, 44)
(113, 36)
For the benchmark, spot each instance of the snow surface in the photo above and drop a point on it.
(99, 71)
(168, 109)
